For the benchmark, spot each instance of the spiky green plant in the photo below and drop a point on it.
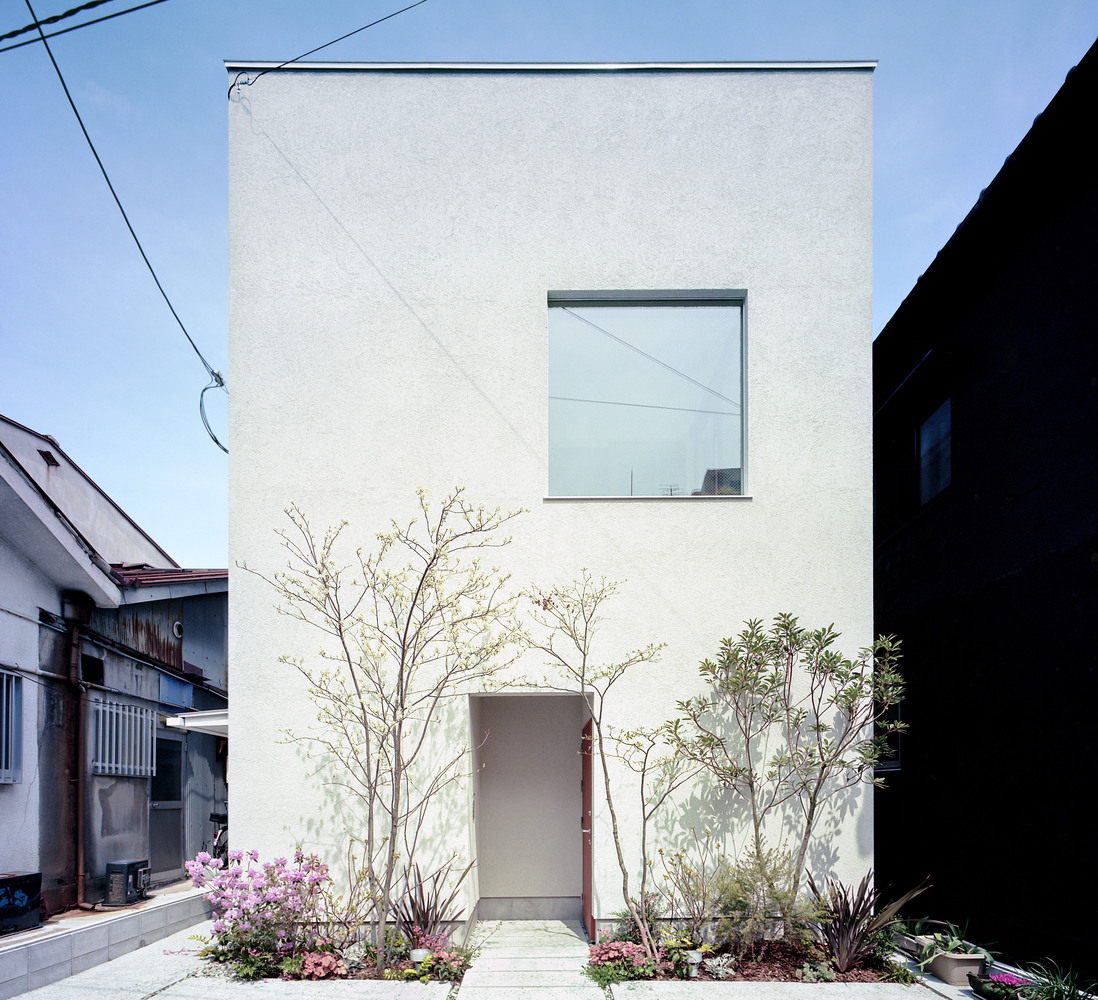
(1053, 982)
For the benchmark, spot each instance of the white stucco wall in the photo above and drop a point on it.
(393, 237)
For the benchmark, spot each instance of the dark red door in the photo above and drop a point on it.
(586, 904)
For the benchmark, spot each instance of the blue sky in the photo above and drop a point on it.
(91, 354)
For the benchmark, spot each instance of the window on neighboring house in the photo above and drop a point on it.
(123, 739)
(890, 758)
(646, 394)
(11, 728)
(933, 445)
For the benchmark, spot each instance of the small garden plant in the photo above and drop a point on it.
(616, 961)
(274, 919)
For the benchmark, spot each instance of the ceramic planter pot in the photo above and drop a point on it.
(693, 960)
(909, 944)
(954, 968)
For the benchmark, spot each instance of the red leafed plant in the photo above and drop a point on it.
(848, 923)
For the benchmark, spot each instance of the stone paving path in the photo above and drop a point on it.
(531, 960)
(520, 960)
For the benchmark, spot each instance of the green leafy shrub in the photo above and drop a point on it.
(755, 901)
(648, 910)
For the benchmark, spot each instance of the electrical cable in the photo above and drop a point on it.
(76, 27)
(650, 357)
(216, 378)
(644, 406)
(53, 19)
(247, 83)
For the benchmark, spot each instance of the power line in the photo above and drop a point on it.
(643, 406)
(54, 19)
(75, 27)
(247, 83)
(650, 357)
(216, 377)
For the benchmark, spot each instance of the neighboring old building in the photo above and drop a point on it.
(985, 430)
(102, 638)
(635, 300)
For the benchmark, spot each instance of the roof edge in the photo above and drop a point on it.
(236, 65)
(91, 482)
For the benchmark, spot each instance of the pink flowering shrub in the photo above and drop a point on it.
(432, 942)
(448, 964)
(263, 914)
(616, 961)
(1009, 979)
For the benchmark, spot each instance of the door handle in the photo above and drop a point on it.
(583, 830)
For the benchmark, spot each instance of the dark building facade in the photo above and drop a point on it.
(986, 551)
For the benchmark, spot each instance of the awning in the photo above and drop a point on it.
(216, 722)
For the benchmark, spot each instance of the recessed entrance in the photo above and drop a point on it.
(528, 805)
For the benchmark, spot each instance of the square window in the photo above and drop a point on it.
(646, 394)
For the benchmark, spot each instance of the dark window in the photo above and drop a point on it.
(91, 669)
(935, 453)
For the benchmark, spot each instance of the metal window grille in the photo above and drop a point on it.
(11, 729)
(124, 739)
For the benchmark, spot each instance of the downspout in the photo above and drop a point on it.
(77, 611)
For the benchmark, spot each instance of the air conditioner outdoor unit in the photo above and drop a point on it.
(127, 881)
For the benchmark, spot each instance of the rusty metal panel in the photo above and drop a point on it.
(206, 637)
(147, 628)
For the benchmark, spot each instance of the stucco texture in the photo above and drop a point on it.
(393, 238)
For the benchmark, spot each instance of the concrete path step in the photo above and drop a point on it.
(531, 960)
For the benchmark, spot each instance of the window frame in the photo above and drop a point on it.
(926, 450)
(11, 728)
(660, 297)
(123, 738)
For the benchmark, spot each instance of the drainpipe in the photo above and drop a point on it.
(76, 610)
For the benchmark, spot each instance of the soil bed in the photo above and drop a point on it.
(778, 963)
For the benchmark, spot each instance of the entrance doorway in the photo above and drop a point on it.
(166, 808)
(528, 805)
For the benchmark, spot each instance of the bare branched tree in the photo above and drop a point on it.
(569, 617)
(412, 626)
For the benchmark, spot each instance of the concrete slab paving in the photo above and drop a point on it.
(665, 990)
(531, 960)
(589, 992)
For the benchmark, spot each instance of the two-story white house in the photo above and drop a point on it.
(632, 299)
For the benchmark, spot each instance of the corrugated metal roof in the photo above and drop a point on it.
(132, 575)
